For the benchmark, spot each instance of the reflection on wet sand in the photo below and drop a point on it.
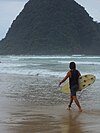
(48, 119)
(52, 119)
(34, 123)
(44, 120)
(71, 123)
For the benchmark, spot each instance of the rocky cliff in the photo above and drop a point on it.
(52, 27)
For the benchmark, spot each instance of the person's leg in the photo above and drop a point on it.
(77, 103)
(71, 101)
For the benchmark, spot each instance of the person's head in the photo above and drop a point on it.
(72, 65)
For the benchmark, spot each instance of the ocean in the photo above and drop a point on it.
(49, 65)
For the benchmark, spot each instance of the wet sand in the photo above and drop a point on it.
(34, 104)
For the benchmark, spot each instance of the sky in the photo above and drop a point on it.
(9, 10)
(92, 7)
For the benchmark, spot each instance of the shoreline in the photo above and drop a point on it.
(34, 104)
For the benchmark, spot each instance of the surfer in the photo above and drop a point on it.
(73, 76)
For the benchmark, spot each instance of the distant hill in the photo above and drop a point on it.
(52, 27)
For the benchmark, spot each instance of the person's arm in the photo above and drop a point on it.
(64, 78)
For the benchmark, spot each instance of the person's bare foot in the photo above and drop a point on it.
(68, 108)
(80, 110)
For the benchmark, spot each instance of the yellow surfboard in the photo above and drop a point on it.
(84, 82)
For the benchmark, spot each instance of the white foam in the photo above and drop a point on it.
(79, 62)
(42, 65)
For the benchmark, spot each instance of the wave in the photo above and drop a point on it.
(17, 57)
(47, 65)
(78, 62)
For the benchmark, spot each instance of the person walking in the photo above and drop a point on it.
(73, 75)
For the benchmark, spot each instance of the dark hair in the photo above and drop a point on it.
(72, 65)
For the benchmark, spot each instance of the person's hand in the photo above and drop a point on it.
(59, 84)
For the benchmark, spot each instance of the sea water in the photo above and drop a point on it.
(35, 79)
(49, 65)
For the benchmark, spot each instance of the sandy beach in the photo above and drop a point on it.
(34, 104)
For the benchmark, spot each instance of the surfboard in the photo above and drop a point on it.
(84, 82)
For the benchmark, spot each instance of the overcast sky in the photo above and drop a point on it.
(92, 7)
(9, 9)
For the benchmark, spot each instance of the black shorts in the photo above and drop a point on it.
(73, 90)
